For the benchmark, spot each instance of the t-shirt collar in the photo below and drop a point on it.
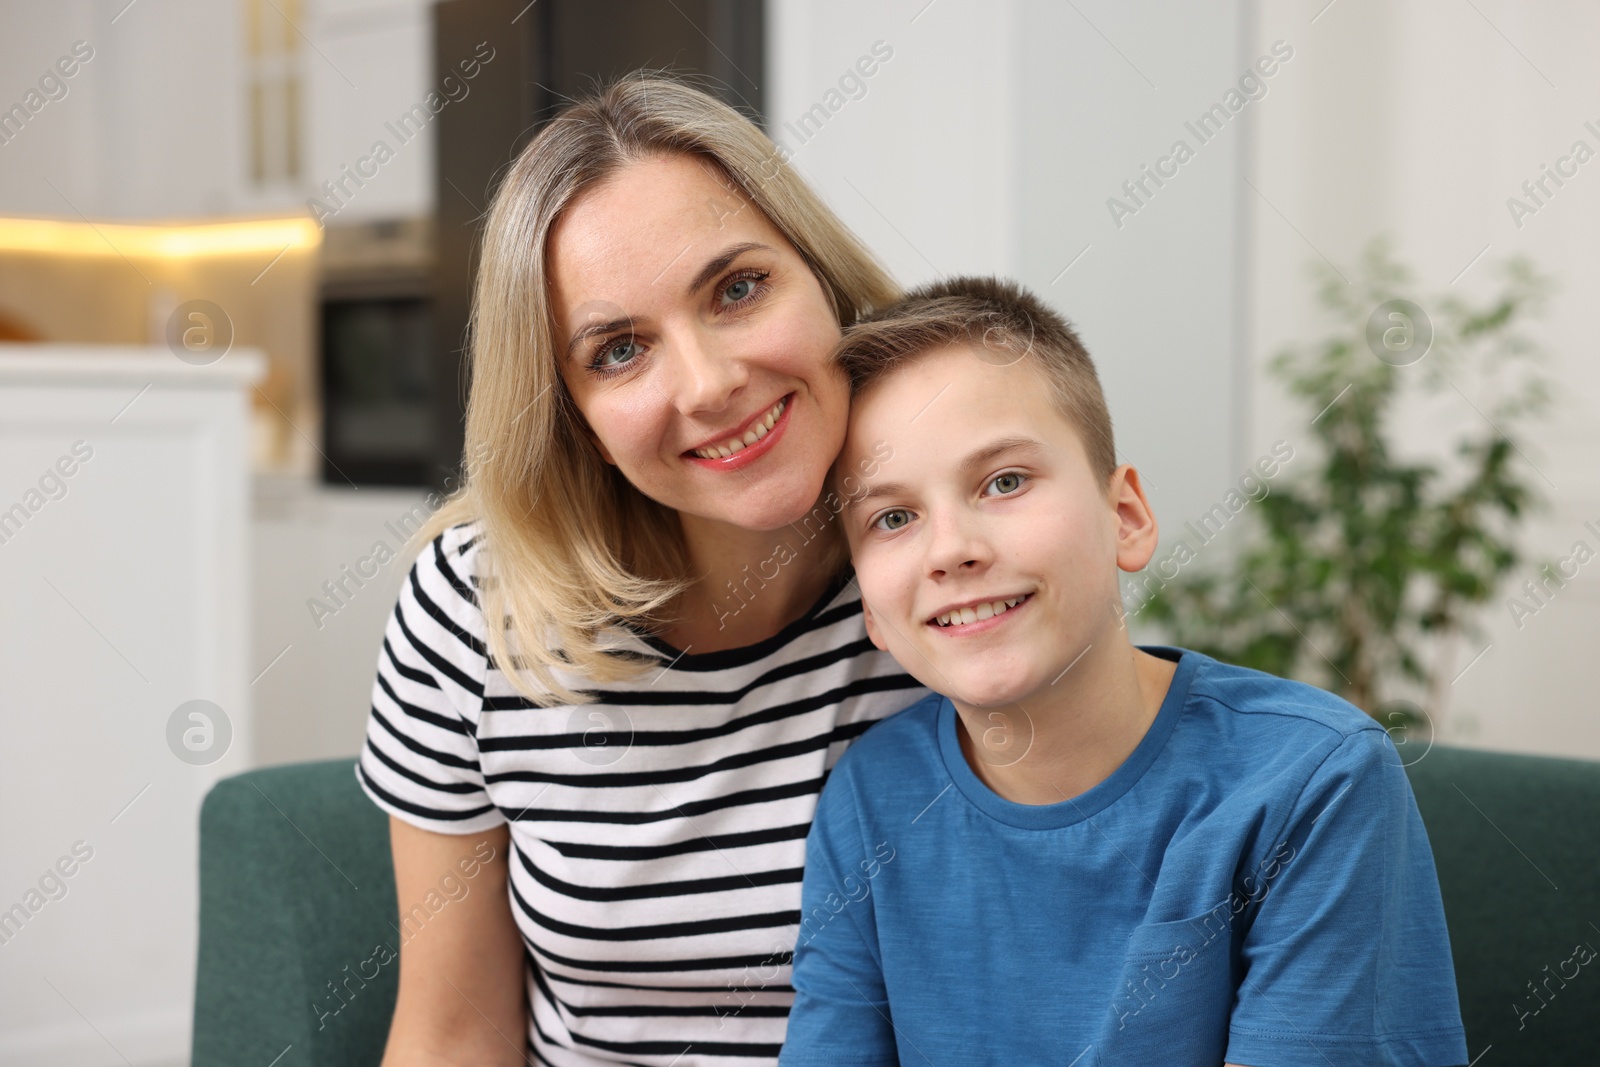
(1095, 800)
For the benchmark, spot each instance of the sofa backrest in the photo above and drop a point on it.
(1516, 840)
(298, 937)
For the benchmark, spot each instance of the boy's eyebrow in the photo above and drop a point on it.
(978, 457)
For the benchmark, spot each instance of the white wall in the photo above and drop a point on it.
(314, 653)
(1419, 121)
(990, 142)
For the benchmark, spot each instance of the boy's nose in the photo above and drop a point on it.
(956, 547)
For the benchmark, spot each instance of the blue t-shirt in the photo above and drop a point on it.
(1253, 885)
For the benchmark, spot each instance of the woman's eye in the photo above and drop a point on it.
(1009, 482)
(741, 290)
(892, 520)
(616, 354)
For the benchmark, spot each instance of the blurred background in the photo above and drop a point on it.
(236, 248)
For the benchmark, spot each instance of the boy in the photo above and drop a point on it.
(1083, 852)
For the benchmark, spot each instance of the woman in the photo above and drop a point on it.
(652, 421)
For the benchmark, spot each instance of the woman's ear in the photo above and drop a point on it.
(1136, 530)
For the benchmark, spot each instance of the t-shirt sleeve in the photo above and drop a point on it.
(841, 1008)
(420, 762)
(1347, 960)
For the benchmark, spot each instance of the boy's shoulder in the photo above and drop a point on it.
(899, 733)
(1273, 705)
(1261, 734)
(900, 747)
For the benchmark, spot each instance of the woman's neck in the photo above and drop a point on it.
(752, 583)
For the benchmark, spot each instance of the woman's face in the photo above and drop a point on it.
(691, 327)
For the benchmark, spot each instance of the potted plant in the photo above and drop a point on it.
(1365, 567)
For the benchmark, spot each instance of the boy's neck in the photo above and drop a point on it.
(1075, 732)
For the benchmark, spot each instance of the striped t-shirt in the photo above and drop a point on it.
(657, 834)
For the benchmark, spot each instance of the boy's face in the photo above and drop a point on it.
(988, 496)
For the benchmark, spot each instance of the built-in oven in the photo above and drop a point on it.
(378, 369)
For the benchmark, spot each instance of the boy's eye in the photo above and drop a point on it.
(1009, 482)
(892, 520)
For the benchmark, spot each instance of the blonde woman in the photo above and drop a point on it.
(646, 517)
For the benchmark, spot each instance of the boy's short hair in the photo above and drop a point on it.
(994, 316)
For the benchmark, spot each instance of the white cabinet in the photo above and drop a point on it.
(124, 596)
(329, 562)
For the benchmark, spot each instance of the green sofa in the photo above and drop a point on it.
(298, 913)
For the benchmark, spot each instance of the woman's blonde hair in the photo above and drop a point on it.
(573, 548)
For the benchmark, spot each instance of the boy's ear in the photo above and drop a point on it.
(872, 626)
(1136, 532)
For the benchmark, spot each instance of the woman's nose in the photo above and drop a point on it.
(706, 375)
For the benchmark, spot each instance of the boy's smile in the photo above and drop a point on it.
(986, 548)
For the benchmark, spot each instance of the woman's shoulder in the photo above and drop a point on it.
(444, 583)
(452, 553)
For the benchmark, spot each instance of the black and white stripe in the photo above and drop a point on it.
(657, 834)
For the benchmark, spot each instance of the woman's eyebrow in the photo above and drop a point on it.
(712, 268)
(720, 263)
(595, 329)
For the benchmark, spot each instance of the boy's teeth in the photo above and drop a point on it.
(982, 611)
(724, 449)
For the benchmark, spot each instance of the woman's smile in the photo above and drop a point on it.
(751, 440)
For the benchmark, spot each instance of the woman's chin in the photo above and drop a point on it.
(769, 504)
(781, 514)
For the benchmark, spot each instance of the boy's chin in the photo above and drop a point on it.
(985, 693)
(980, 685)
(992, 697)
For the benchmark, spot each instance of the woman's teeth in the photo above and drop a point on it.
(979, 613)
(738, 444)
